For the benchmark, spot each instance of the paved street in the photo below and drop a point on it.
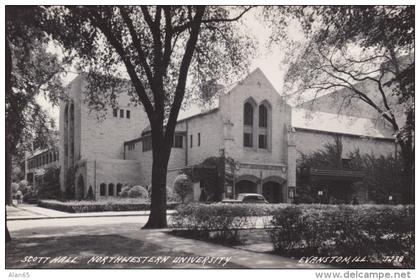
(123, 234)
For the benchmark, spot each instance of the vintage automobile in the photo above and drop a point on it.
(247, 198)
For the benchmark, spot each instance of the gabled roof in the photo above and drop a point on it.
(196, 112)
(341, 124)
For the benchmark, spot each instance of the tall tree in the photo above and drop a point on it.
(30, 71)
(362, 54)
(156, 47)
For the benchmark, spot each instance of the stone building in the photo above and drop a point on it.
(250, 124)
(100, 152)
(37, 162)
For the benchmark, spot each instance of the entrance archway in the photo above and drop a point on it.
(272, 191)
(80, 192)
(245, 186)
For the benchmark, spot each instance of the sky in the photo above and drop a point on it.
(269, 60)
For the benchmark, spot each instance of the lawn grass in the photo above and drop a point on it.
(84, 247)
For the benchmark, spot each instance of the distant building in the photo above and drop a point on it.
(37, 162)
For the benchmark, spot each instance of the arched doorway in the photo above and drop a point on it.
(272, 191)
(245, 186)
(80, 193)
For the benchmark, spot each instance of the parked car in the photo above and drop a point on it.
(247, 198)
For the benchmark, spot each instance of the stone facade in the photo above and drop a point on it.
(91, 142)
(252, 124)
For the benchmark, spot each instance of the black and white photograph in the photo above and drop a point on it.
(211, 137)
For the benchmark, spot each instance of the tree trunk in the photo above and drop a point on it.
(8, 197)
(408, 173)
(8, 237)
(8, 187)
(157, 216)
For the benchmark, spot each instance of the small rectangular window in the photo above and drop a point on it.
(262, 141)
(199, 139)
(115, 112)
(191, 141)
(247, 139)
(178, 141)
(127, 114)
(121, 113)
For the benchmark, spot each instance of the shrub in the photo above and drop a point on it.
(30, 197)
(75, 206)
(15, 188)
(171, 196)
(90, 195)
(183, 187)
(330, 230)
(49, 188)
(23, 184)
(138, 191)
(124, 191)
(223, 220)
(24, 187)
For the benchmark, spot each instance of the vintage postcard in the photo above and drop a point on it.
(210, 137)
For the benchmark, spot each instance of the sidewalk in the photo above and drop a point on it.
(240, 257)
(34, 212)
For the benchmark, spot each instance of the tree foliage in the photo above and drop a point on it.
(30, 71)
(33, 71)
(50, 185)
(359, 54)
(383, 174)
(165, 51)
(183, 186)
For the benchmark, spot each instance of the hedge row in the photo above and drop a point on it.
(219, 222)
(218, 215)
(100, 206)
(379, 232)
(375, 231)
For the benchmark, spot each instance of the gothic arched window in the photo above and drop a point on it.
(249, 123)
(102, 189)
(264, 125)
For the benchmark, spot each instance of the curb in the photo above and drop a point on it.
(78, 216)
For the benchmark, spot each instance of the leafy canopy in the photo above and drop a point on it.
(147, 44)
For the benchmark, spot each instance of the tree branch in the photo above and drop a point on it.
(137, 43)
(183, 27)
(183, 73)
(102, 25)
